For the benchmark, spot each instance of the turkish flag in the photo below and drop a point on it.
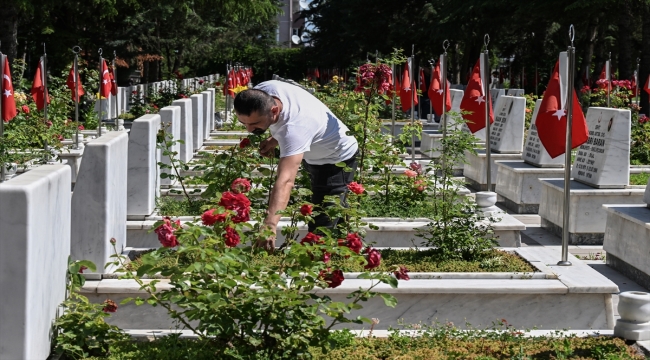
(111, 74)
(230, 84)
(646, 87)
(106, 84)
(71, 84)
(435, 91)
(603, 73)
(474, 101)
(39, 92)
(551, 119)
(407, 92)
(8, 101)
(398, 87)
(423, 83)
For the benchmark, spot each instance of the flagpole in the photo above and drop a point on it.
(225, 85)
(609, 78)
(567, 152)
(393, 105)
(636, 80)
(486, 93)
(411, 85)
(115, 80)
(443, 86)
(44, 80)
(75, 65)
(419, 100)
(432, 63)
(99, 123)
(3, 175)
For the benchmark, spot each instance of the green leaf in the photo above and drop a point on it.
(389, 300)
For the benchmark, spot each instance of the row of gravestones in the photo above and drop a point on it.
(118, 177)
(120, 103)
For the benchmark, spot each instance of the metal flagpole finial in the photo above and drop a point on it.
(44, 52)
(76, 49)
(114, 55)
(100, 51)
(445, 45)
(486, 40)
(572, 34)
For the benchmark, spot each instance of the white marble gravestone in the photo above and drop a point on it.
(604, 160)
(206, 114)
(456, 97)
(170, 117)
(35, 238)
(212, 111)
(507, 131)
(515, 92)
(534, 152)
(197, 121)
(495, 94)
(143, 183)
(99, 200)
(187, 147)
(646, 195)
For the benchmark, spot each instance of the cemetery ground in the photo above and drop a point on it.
(152, 256)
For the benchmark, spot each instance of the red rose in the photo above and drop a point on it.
(356, 188)
(217, 84)
(134, 93)
(59, 137)
(209, 217)
(232, 237)
(81, 127)
(48, 124)
(25, 109)
(306, 209)
(183, 96)
(245, 142)
(155, 107)
(109, 306)
(240, 185)
(373, 256)
(333, 279)
(82, 268)
(311, 238)
(166, 232)
(238, 203)
(354, 242)
(200, 82)
(402, 273)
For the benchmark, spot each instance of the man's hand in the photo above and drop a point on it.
(266, 240)
(268, 146)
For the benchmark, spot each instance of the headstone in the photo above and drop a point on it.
(456, 98)
(507, 132)
(143, 181)
(604, 160)
(211, 113)
(197, 121)
(515, 92)
(170, 117)
(187, 147)
(104, 108)
(495, 94)
(99, 199)
(206, 114)
(35, 238)
(534, 152)
(646, 195)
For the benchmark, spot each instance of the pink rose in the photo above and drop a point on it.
(240, 185)
(410, 173)
(165, 232)
(356, 188)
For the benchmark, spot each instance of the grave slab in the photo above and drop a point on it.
(587, 216)
(35, 236)
(507, 132)
(534, 152)
(143, 183)
(99, 202)
(73, 158)
(627, 241)
(604, 159)
(495, 94)
(197, 121)
(475, 170)
(187, 147)
(515, 92)
(207, 127)
(170, 118)
(211, 113)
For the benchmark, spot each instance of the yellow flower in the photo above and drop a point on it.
(335, 79)
(239, 89)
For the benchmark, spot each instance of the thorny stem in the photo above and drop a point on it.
(356, 300)
(365, 132)
(153, 295)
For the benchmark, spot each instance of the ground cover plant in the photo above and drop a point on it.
(441, 341)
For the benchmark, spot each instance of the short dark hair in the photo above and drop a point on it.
(253, 100)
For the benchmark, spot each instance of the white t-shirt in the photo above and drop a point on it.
(306, 126)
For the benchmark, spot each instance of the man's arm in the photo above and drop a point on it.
(287, 170)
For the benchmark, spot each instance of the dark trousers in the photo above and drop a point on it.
(327, 180)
